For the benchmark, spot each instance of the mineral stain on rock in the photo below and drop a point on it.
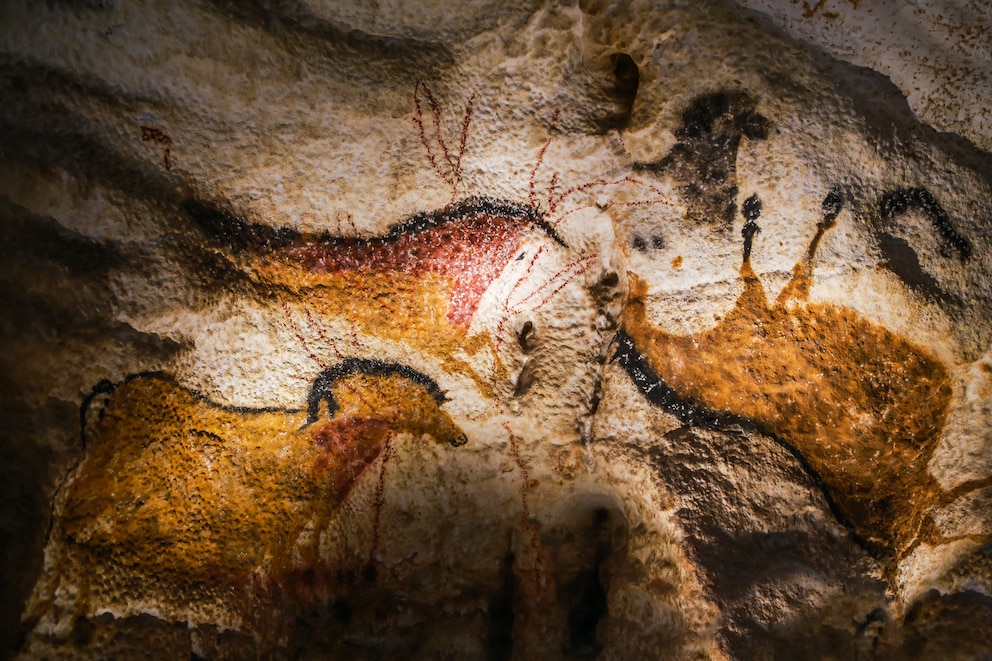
(194, 502)
(861, 407)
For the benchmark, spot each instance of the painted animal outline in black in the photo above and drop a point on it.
(861, 408)
(900, 257)
(321, 392)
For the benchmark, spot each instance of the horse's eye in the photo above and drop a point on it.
(521, 256)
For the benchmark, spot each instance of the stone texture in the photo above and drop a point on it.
(935, 52)
(610, 330)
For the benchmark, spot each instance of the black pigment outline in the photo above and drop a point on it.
(703, 159)
(241, 234)
(899, 201)
(322, 389)
(690, 412)
(107, 387)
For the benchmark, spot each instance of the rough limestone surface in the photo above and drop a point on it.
(522, 330)
(936, 52)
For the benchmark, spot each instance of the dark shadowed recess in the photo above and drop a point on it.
(57, 298)
(378, 58)
(28, 477)
(902, 260)
(746, 561)
(621, 91)
(889, 120)
(39, 127)
(947, 626)
(583, 592)
(501, 615)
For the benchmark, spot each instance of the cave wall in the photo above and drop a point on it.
(528, 330)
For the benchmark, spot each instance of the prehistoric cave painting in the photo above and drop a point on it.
(162, 139)
(419, 283)
(432, 421)
(901, 200)
(899, 256)
(448, 166)
(181, 496)
(860, 407)
(704, 160)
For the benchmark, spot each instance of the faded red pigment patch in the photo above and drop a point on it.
(470, 252)
(349, 445)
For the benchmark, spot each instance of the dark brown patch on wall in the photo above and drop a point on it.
(622, 91)
(704, 160)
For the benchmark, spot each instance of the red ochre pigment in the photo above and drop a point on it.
(466, 244)
(470, 252)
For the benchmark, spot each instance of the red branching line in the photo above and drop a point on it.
(532, 198)
(418, 122)
(466, 120)
(554, 201)
(320, 333)
(380, 491)
(554, 223)
(302, 340)
(570, 272)
(535, 540)
(651, 187)
(436, 112)
(322, 336)
(576, 263)
(506, 301)
(551, 192)
(525, 275)
(579, 271)
(524, 472)
(354, 336)
(640, 203)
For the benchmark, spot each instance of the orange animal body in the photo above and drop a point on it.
(180, 496)
(862, 408)
(419, 283)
